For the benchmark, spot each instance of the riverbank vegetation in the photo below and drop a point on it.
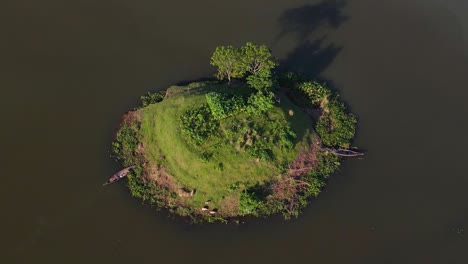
(249, 144)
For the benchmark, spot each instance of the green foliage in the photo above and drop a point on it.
(250, 58)
(337, 127)
(314, 91)
(152, 98)
(197, 125)
(195, 85)
(228, 61)
(219, 167)
(249, 203)
(126, 140)
(272, 206)
(261, 81)
(272, 133)
(147, 191)
(315, 181)
(235, 186)
(259, 102)
(259, 62)
(257, 58)
(137, 187)
(206, 156)
(223, 105)
(326, 164)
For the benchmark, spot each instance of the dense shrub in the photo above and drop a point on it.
(336, 127)
(152, 98)
(270, 134)
(314, 91)
(125, 142)
(197, 125)
(259, 102)
(223, 105)
(249, 203)
(326, 164)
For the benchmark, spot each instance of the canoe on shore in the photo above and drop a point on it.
(344, 152)
(119, 175)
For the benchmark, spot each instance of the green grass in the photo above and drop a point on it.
(160, 133)
(254, 163)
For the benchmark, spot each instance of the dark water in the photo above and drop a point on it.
(69, 69)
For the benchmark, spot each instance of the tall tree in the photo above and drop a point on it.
(229, 63)
(257, 58)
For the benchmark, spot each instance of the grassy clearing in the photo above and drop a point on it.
(229, 157)
(230, 161)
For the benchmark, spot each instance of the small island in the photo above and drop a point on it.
(252, 143)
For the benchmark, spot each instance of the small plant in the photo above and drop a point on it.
(206, 156)
(152, 98)
(219, 167)
(195, 85)
(234, 186)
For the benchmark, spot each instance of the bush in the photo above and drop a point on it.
(259, 102)
(205, 156)
(152, 98)
(125, 143)
(249, 203)
(147, 191)
(222, 105)
(197, 125)
(219, 167)
(271, 133)
(326, 164)
(314, 91)
(336, 127)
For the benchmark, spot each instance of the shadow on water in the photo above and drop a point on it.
(305, 20)
(309, 25)
(310, 59)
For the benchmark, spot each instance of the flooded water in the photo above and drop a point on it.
(69, 69)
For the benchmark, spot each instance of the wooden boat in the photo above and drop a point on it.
(344, 152)
(119, 175)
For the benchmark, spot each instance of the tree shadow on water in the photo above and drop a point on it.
(310, 58)
(309, 25)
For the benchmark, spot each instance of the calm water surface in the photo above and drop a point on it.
(69, 69)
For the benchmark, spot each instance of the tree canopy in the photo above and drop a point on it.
(250, 59)
(257, 58)
(227, 59)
